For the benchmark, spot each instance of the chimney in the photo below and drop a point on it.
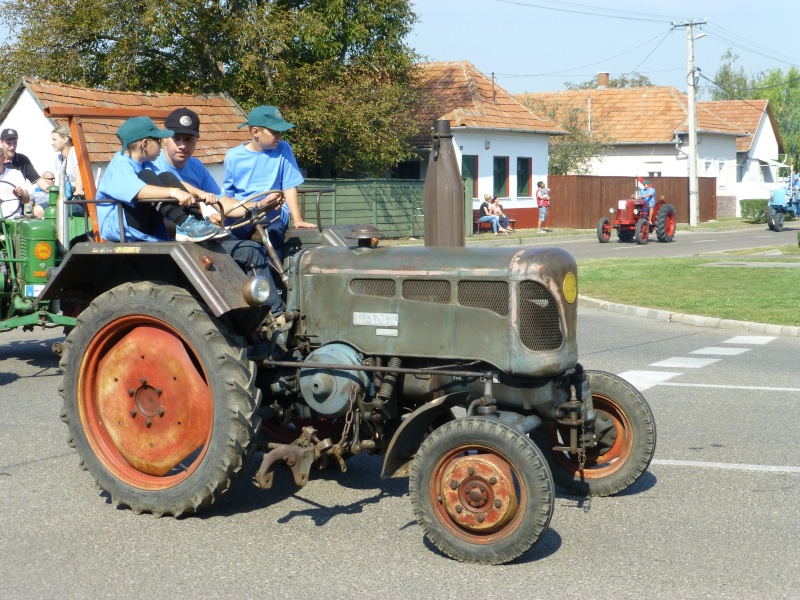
(602, 80)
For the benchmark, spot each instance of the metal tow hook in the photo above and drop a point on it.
(299, 456)
(572, 421)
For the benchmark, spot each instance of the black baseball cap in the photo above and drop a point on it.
(8, 134)
(183, 120)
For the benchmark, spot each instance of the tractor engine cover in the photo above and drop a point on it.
(327, 391)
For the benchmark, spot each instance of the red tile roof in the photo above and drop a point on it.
(746, 114)
(459, 92)
(637, 115)
(219, 116)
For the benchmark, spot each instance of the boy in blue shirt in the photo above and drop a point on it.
(264, 163)
(176, 158)
(649, 196)
(130, 176)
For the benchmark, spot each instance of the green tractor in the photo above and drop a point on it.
(459, 366)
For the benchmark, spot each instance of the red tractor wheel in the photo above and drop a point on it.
(160, 399)
(481, 490)
(604, 230)
(665, 223)
(642, 231)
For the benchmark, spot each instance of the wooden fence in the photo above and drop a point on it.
(579, 201)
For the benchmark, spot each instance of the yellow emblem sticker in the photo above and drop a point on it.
(570, 287)
(42, 251)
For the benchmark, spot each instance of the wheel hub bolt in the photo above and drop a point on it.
(459, 508)
(453, 484)
(497, 504)
(161, 412)
(159, 391)
(133, 413)
(492, 480)
(480, 518)
(148, 423)
(131, 392)
(471, 471)
(143, 381)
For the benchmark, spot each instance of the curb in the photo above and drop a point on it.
(694, 320)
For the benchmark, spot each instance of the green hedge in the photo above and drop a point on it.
(754, 211)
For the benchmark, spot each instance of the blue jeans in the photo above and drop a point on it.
(490, 219)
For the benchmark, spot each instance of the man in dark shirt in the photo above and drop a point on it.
(19, 162)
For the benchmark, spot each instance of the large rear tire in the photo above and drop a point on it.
(626, 434)
(481, 490)
(604, 230)
(160, 399)
(665, 223)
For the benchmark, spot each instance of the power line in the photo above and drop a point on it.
(508, 75)
(583, 12)
(732, 94)
(714, 25)
(585, 74)
(649, 55)
(737, 44)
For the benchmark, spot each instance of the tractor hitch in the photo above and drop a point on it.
(298, 456)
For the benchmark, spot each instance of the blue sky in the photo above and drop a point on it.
(523, 37)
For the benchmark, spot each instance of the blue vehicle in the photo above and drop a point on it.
(783, 201)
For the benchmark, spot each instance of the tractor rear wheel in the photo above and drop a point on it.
(604, 230)
(777, 221)
(626, 441)
(642, 231)
(160, 399)
(665, 223)
(481, 490)
(769, 218)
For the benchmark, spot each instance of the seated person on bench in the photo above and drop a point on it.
(131, 175)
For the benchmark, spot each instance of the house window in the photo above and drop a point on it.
(722, 177)
(524, 168)
(501, 176)
(654, 173)
(469, 173)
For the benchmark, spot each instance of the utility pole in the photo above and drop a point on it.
(691, 80)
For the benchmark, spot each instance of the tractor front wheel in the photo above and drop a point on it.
(604, 230)
(777, 221)
(626, 441)
(769, 218)
(481, 490)
(624, 235)
(665, 223)
(642, 231)
(160, 399)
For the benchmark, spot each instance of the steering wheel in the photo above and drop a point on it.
(254, 214)
(19, 206)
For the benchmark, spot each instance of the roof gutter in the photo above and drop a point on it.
(508, 130)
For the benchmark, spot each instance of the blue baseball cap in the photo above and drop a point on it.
(138, 128)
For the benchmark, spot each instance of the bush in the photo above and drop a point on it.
(754, 211)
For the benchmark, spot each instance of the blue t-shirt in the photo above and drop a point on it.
(248, 173)
(193, 172)
(121, 182)
(649, 195)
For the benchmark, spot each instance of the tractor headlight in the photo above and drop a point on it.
(256, 290)
(636, 211)
(612, 210)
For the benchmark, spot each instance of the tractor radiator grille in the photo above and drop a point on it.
(383, 288)
(538, 318)
(423, 290)
(491, 295)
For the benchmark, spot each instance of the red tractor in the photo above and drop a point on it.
(632, 222)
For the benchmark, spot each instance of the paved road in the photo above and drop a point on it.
(716, 516)
(686, 243)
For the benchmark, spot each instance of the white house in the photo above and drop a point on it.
(502, 147)
(23, 109)
(647, 135)
(758, 153)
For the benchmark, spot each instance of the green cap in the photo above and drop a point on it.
(138, 128)
(266, 116)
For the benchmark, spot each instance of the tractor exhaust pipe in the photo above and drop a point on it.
(62, 220)
(444, 192)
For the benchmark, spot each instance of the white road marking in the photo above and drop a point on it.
(685, 362)
(721, 351)
(751, 339)
(702, 241)
(767, 388)
(764, 236)
(717, 465)
(644, 380)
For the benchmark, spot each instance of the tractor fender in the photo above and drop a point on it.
(413, 430)
(93, 268)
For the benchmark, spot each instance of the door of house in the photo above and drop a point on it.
(469, 172)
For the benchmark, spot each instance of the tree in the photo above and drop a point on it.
(732, 82)
(339, 69)
(623, 81)
(570, 154)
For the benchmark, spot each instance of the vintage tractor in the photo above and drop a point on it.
(632, 222)
(458, 365)
(782, 203)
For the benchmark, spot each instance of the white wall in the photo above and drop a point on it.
(507, 144)
(758, 179)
